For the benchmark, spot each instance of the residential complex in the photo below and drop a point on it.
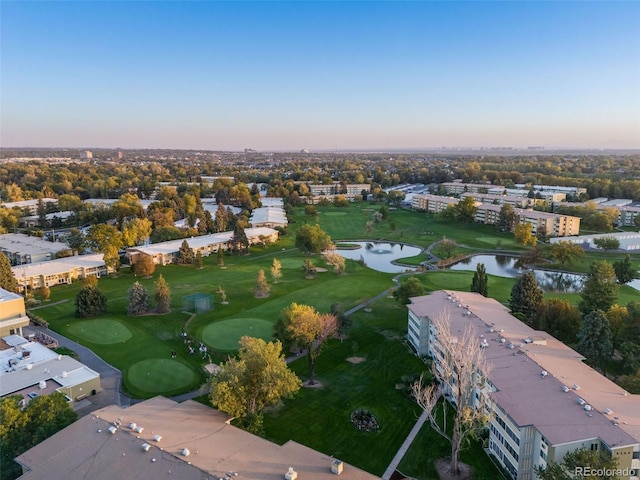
(23, 249)
(543, 399)
(30, 205)
(13, 316)
(549, 224)
(629, 241)
(160, 438)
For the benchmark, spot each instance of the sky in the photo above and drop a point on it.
(319, 75)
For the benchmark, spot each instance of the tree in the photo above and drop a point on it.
(466, 210)
(163, 296)
(136, 231)
(139, 300)
(447, 245)
(625, 271)
(507, 217)
(221, 218)
(223, 295)
(23, 428)
(573, 461)
(220, 256)
(410, 288)
(312, 239)
(76, 241)
(310, 210)
(600, 290)
(276, 270)
(607, 243)
(309, 330)
(595, 340)
(257, 378)
(45, 292)
(526, 296)
(104, 238)
(459, 375)
(523, 234)
(239, 242)
(480, 281)
(395, 197)
(7, 278)
(185, 254)
(558, 318)
(532, 256)
(90, 302)
(564, 252)
(197, 261)
(308, 268)
(262, 288)
(336, 260)
(144, 266)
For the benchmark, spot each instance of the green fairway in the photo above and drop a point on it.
(159, 375)
(335, 214)
(104, 331)
(225, 335)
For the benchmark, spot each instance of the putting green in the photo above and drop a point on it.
(159, 375)
(335, 214)
(493, 240)
(226, 334)
(101, 331)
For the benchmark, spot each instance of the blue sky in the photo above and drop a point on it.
(320, 75)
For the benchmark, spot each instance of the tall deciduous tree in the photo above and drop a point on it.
(410, 288)
(600, 290)
(523, 234)
(564, 252)
(139, 300)
(507, 217)
(336, 260)
(559, 318)
(262, 288)
(136, 231)
(144, 266)
(447, 245)
(22, 428)
(607, 243)
(257, 378)
(309, 330)
(163, 296)
(76, 241)
(480, 281)
(595, 340)
(276, 270)
(466, 210)
(460, 374)
(526, 296)
(312, 239)
(7, 279)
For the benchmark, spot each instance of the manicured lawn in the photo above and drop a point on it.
(224, 335)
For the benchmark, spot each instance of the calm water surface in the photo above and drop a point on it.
(379, 255)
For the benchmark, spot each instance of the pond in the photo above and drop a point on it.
(380, 255)
(505, 266)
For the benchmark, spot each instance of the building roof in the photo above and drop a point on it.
(28, 203)
(58, 266)
(40, 363)
(87, 449)
(268, 215)
(516, 366)
(7, 296)
(26, 245)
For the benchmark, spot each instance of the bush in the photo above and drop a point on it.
(364, 420)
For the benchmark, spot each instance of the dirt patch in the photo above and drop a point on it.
(356, 360)
(316, 384)
(321, 270)
(212, 368)
(443, 466)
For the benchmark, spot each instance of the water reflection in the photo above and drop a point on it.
(379, 255)
(505, 266)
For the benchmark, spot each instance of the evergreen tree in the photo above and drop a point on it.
(526, 296)
(600, 290)
(239, 241)
(479, 283)
(7, 279)
(220, 257)
(163, 296)
(625, 271)
(185, 254)
(595, 340)
(139, 300)
(90, 302)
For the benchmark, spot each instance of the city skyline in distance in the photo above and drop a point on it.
(321, 76)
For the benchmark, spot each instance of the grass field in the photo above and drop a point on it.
(318, 417)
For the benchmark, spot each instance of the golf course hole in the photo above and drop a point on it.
(226, 334)
(101, 331)
(157, 375)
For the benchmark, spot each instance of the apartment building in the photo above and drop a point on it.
(30, 205)
(545, 401)
(22, 249)
(497, 199)
(458, 188)
(13, 316)
(270, 217)
(336, 188)
(432, 203)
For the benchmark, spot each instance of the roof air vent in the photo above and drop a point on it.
(133, 425)
(139, 429)
(576, 387)
(157, 438)
(587, 408)
(565, 389)
(544, 373)
(608, 411)
(112, 430)
(186, 452)
(146, 447)
(581, 401)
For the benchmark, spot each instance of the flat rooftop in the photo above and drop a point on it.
(518, 354)
(58, 266)
(24, 244)
(87, 449)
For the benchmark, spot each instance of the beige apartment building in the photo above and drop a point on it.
(13, 316)
(544, 400)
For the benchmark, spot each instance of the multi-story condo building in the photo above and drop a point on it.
(30, 205)
(432, 203)
(22, 249)
(516, 202)
(13, 316)
(544, 400)
(336, 188)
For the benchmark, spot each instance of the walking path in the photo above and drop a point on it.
(404, 447)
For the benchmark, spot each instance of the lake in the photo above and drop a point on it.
(380, 255)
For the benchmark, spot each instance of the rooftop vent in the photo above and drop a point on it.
(145, 447)
(511, 346)
(581, 401)
(502, 340)
(186, 452)
(608, 411)
(491, 330)
(565, 389)
(528, 340)
(587, 408)
(576, 387)
(112, 430)
(484, 344)
(544, 373)
(157, 438)
(138, 429)
(133, 425)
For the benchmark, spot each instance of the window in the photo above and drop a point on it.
(594, 447)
